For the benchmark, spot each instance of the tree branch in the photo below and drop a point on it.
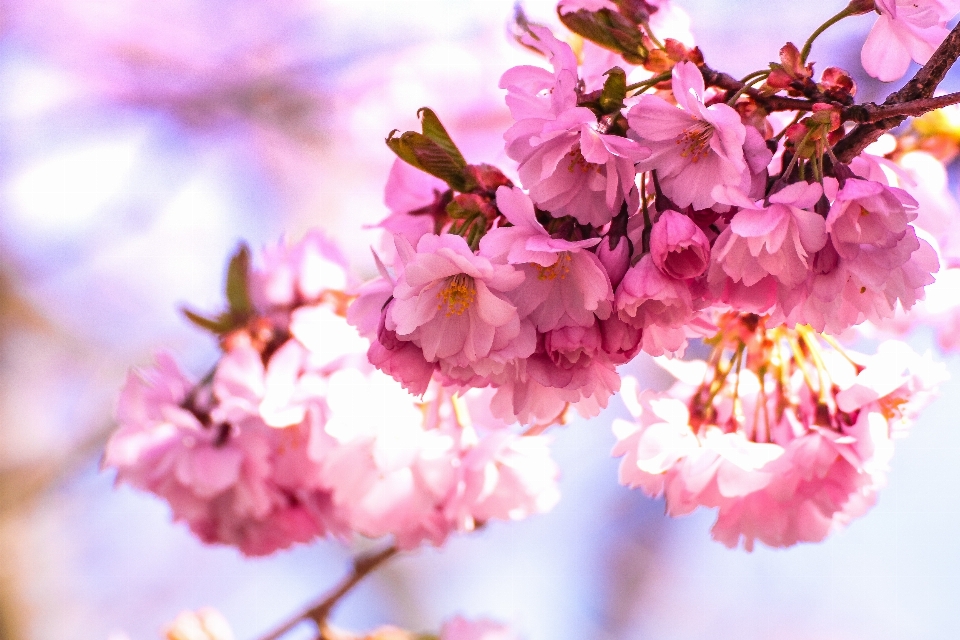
(771, 103)
(362, 566)
(871, 112)
(920, 86)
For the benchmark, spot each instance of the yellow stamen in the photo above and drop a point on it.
(695, 141)
(558, 269)
(457, 294)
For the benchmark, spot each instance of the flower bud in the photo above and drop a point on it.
(615, 260)
(678, 247)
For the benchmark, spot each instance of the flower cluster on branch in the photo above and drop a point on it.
(651, 201)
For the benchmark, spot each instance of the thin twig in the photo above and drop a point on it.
(362, 566)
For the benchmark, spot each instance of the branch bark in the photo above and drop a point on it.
(772, 103)
(319, 612)
(919, 87)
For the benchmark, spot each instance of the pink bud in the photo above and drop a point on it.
(678, 247)
(616, 260)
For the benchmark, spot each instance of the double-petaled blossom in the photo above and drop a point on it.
(565, 283)
(787, 448)
(567, 161)
(695, 147)
(421, 471)
(453, 305)
(232, 478)
(659, 305)
(905, 30)
(776, 240)
(873, 261)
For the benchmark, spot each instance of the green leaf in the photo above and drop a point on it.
(218, 326)
(610, 30)
(430, 156)
(587, 24)
(614, 90)
(433, 129)
(238, 283)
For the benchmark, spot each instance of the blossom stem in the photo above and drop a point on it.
(363, 565)
(847, 12)
(748, 82)
(650, 34)
(651, 82)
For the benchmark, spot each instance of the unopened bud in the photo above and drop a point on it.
(857, 7)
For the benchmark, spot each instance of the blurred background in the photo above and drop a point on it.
(140, 142)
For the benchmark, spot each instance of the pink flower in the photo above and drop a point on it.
(566, 162)
(240, 482)
(866, 212)
(905, 30)
(413, 197)
(678, 246)
(694, 147)
(459, 628)
(781, 465)
(453, 304)
(299, 273)
(777, 240)
(571, 168)
(564, 285)
(660, 305)
(535, 93)
(421, 471)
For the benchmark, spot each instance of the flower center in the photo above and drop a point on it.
(457, 294)
(579, 163)
(695, 141)
(558, 269)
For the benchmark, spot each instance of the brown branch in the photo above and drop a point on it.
(919, 87)
(871, 112)
(771, 103)
(362, 566)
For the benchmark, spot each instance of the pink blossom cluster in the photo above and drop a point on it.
(641, 218)
(787, 452)
(293, 436)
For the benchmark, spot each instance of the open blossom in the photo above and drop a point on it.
(781, 464)
(298, 273)
(656, 303)
(777, 240)
(239, 482)
(453, 304)
(565, 284)
(694, 147)
(420, 472)
(905, 30)
(868, 213)
(568, 164)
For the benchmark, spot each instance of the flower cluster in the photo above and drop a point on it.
(293, 436)
(651, 200)
(642, 218)
(789, 440)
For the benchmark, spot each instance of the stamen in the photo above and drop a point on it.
(457, 294)
(558, 269)
(695, 141)
(579, 163)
